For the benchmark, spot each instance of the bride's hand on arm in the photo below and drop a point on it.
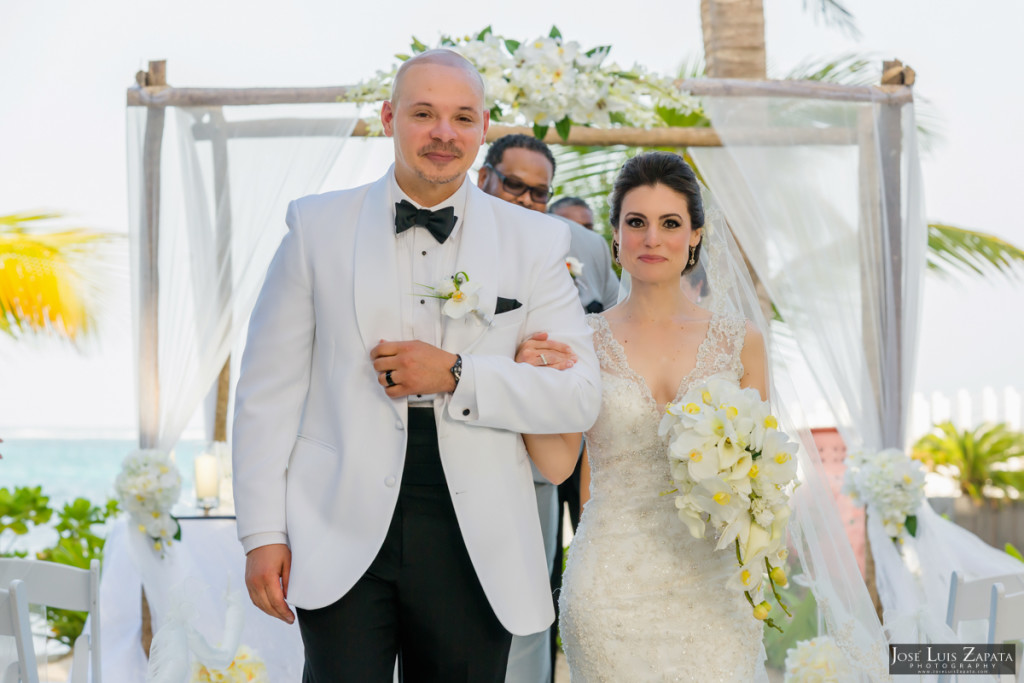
(553, 454)
(540, 351)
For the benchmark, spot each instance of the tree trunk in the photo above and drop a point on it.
(734, 38)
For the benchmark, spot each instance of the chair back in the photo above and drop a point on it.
(969, 600)
(1006, 621)
(14, 623)
(64, 587)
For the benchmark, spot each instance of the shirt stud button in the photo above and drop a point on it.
(398, 425)
(465, 412)
(389, 482)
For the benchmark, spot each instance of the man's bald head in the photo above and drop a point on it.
(441, 57)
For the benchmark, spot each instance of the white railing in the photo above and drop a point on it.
(965, 409)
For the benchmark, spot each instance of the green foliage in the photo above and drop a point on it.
(21, 509)
(77, 545)
(803, 625)
(980, 455)
(1012, 551)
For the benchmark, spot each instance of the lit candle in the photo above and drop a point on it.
(207, 476)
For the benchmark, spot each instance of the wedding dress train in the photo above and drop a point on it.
(642, 600)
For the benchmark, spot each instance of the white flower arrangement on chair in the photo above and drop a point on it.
(890, 484)
(147, 487)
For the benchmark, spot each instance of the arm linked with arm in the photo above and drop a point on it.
(503, 394)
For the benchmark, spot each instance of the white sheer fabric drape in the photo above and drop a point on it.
(226, 176)
(837, 234)
(804, 185)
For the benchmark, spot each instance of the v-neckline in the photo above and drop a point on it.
(623, 359)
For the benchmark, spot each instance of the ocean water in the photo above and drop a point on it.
(77, 468)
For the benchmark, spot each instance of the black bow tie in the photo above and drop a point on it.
(439, 223)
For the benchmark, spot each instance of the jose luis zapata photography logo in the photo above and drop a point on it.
(967, 658)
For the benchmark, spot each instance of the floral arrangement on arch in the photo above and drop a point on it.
(549, 81)
(890, 484)
(147, 487)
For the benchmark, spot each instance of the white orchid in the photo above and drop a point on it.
(461, 296)
(463, 300)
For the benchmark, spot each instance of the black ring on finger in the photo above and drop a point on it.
(387, 378)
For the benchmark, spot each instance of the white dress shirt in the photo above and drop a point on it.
(422, 263)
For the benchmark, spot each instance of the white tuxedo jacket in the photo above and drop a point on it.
(318, 446)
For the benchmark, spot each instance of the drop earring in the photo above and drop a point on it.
(692, 259)
(615, 252)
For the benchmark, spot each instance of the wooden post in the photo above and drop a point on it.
(222, 198)
(149, 263)
(880, 129)
(149, 291)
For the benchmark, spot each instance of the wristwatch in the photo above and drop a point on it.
(456, 370)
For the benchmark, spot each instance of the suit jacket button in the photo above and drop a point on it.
(465, 412)
(389, 482)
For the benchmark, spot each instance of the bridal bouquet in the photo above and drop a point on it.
(890, 484)
(148, 487)
(735, 471)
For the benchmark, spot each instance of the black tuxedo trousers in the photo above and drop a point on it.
(419, 601)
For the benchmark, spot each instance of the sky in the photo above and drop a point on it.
(65, 65)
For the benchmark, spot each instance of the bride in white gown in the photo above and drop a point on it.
(642, 600)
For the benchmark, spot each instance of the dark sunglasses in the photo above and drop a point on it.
(516, 187)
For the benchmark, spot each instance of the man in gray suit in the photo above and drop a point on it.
(519, 169)
(598, 285)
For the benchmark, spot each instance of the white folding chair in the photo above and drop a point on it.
(14, 624)
(1006, 621)
(63, 587)
(969, 600)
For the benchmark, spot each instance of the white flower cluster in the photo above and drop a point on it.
(552, 82)
(148, 487)
(890, 484)
(734, 470)
(818, 660)
(246, 667)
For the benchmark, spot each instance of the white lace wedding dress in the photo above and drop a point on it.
(642, 600)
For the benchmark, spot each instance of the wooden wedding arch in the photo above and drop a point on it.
(154, 94)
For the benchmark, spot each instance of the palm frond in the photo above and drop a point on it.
(954, 250)
(50, 280)
(693, 66)
(834, 13)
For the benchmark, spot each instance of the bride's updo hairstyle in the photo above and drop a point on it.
(660, 168)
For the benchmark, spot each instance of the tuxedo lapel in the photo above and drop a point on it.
(478, 258)
(376, 292)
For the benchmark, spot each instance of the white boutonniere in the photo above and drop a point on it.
(460, 296)
(575, 267)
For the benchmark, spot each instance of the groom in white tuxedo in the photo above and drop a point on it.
(381, 485)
